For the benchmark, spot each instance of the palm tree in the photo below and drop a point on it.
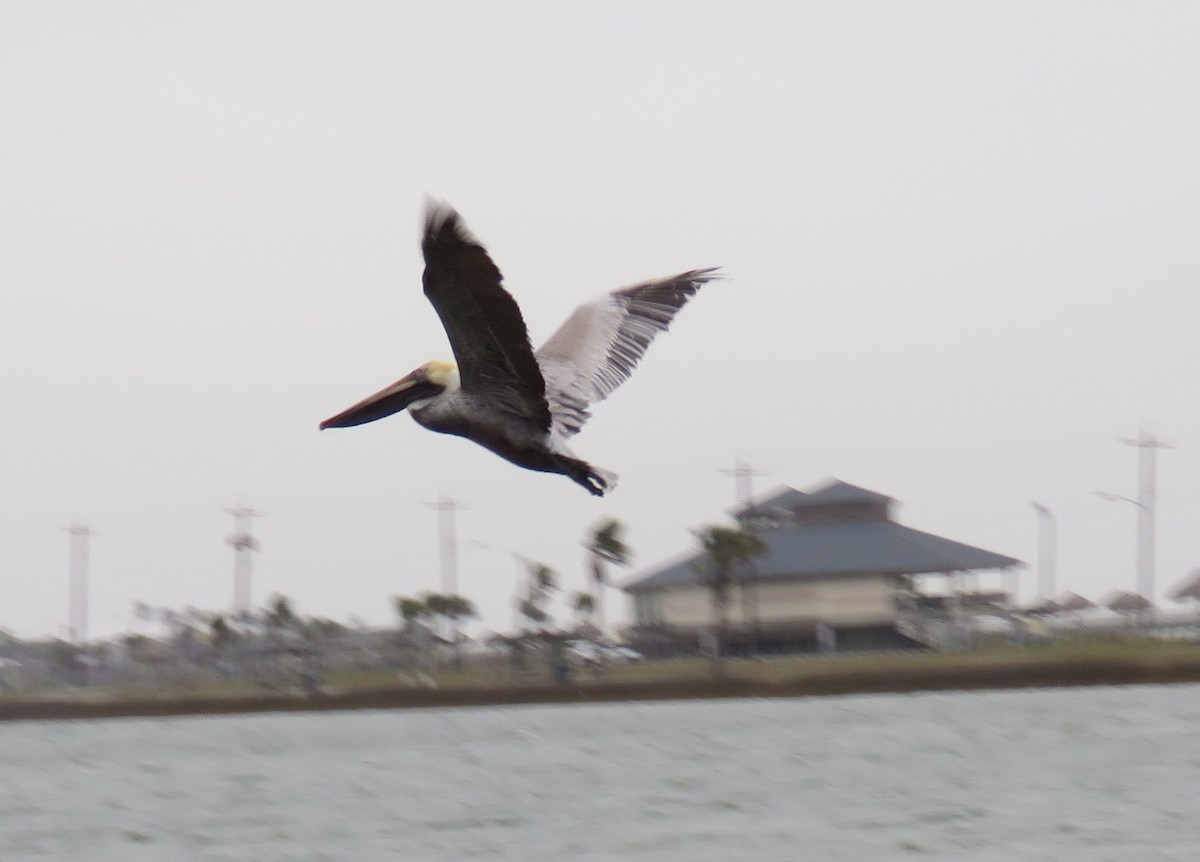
(542, 581)
(605, 547)
(221, 633)
(409, 609)
(414, 643)
(280, 617)
(455, 608)
(280, 614)
(584, 605)
(532, 611)
(451, 608)
(723, 549)
(543, 578)
(435, 606)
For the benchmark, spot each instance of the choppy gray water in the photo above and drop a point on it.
(1088, 775)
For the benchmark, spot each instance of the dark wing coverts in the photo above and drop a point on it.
(484, 324)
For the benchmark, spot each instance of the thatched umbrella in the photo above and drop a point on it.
(1074, 602)
(1044, 607)
(1124, 602)
(1188, 588)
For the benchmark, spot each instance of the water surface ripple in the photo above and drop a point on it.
(1085, 774)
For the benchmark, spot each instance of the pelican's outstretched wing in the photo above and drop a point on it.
(598, 347)
(487, 333)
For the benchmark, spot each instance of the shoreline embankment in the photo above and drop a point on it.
(933, 673)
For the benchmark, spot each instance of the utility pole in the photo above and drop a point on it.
(1148, 446)
(447, 509)
(244, 545)
(743, 481)
(743, 475)
(1047, 551)
(77, 583)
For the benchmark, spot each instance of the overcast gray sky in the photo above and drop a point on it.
(960, 242)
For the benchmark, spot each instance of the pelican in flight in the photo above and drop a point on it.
(521, 404)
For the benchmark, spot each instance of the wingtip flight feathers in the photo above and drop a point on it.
(444, 224)
(440, 217)
(698, 277)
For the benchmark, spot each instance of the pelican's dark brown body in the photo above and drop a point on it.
(514, 441)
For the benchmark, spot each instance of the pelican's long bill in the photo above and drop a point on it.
(391, 399)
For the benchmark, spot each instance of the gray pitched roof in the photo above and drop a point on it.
(833, 493)
(836, 491)
(815, 550)
(784, 498)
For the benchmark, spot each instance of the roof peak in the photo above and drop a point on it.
(835, 490)
(832, 491)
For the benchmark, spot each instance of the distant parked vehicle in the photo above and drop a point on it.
(623, 655)
(592, 653)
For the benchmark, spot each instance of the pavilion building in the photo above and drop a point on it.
(838, 572)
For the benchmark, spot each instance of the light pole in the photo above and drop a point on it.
(1047, 550)
(1147, 445)
(449, 547)
(747, 573)
(78, 584)
(1145, 545)
(244, 546)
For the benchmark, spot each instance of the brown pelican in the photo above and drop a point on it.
(520, 404)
